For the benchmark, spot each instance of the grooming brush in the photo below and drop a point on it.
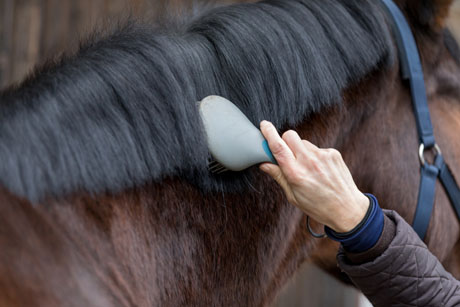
(234, 142)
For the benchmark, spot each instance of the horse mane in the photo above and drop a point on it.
(122, 110)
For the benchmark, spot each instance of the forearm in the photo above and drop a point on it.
(400, 269)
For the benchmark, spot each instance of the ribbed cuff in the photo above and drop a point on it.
(387, 236)
(365, 234)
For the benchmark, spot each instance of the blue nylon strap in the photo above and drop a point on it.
(426, 193)
(451, 186)
(412, 72)
(422, 113)
(411, 69)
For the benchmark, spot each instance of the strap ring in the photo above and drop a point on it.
(314, 234)
(421, 152)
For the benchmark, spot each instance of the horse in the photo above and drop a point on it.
(106, 198)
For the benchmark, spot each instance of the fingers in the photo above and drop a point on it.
(275, 172)
(283, 154)
(294, 142)
(310, 146)
(297, 147)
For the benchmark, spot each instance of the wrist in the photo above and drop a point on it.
(352, 217)
(366, 233)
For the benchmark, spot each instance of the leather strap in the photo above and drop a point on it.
(412, 72)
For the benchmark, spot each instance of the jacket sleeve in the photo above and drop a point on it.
(405, 273)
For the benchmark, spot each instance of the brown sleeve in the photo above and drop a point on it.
(388, 233)
(404, 274)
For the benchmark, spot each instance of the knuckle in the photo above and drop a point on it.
(294, 176)
(278, 176)
(280, 153)
(325, 154)
(321, 154)
(316, 165)
(277, 148)
(288, 134)
(308, 148)
(334, 154)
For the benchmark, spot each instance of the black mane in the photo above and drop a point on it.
(122, 111)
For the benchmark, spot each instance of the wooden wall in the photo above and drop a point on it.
(32, 30)
(454, 20)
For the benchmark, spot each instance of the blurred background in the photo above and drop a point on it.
(34, 30)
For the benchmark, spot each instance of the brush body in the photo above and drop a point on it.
(233, 140)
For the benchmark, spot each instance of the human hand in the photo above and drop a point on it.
(315, 180)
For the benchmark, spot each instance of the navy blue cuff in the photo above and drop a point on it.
(366, 234)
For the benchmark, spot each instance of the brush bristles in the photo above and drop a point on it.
(216, 168)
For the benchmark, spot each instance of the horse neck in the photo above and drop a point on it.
(163, 243)
(169, 242)
(442, 78)
(383, 153)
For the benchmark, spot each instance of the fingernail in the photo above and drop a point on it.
(263, 123)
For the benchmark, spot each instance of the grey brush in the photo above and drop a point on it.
(234, 142)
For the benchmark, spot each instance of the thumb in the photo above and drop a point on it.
(275, 172)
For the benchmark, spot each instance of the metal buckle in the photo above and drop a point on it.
(421, 151)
